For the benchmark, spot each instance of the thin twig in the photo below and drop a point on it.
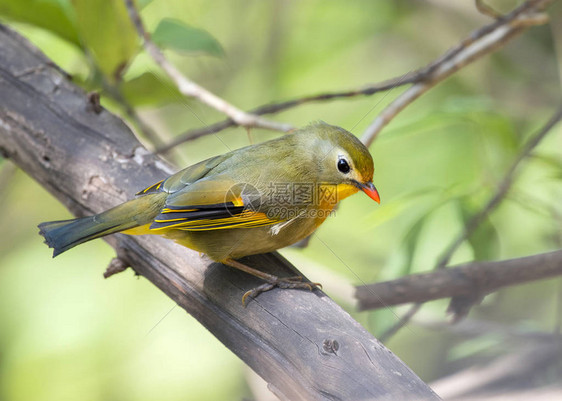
(424, 75)
(114, 91)
(474, 222)
(195, 134)
(192, 89)
(273, 108)
(384, 337)
(480, 42)
(500, 193)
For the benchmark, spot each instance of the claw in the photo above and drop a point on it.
(254, 292)
(271, 280)
(284, 283)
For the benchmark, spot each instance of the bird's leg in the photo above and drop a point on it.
(271, 280)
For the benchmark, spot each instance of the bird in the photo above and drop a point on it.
(248, 201)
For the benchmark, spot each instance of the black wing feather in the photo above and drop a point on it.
(176, 215)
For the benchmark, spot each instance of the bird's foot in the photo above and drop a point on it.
(271, 281)
(288, 282)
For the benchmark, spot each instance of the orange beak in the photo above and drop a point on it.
(370, 190)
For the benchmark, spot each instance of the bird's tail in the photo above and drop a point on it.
(65, 234)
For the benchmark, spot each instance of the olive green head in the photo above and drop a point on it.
(341, 157)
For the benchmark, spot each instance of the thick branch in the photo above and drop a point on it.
(91, 161)
(189, 88)
(464, 280)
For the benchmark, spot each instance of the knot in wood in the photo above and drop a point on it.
(331, 346)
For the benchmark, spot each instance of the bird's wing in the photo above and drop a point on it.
(185, 177)
(214, 203)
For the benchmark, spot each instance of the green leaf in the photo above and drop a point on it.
(174, 34)
(149, 90)
(108, 34)
(52, 15)
(484, 241)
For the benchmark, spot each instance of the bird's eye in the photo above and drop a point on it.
(343, 166)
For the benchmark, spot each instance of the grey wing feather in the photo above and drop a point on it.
(185, 177)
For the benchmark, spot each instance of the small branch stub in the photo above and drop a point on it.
(117, 265)
(94, 102)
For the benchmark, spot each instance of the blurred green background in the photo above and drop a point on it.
(68, 334)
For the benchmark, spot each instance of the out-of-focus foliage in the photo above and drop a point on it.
(106, 34)
(174, 34)
(52, 15)
(149, 89)
(67, 334)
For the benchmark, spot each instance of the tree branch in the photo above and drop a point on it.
(501, 191)
(460, 304)
(479, 43)
(502, 377)
(272, 108)
(91, 162)
(191, 89)
(467, 279)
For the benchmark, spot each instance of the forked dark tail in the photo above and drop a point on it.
(65, 234)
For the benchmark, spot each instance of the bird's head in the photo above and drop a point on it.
(343, 160)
